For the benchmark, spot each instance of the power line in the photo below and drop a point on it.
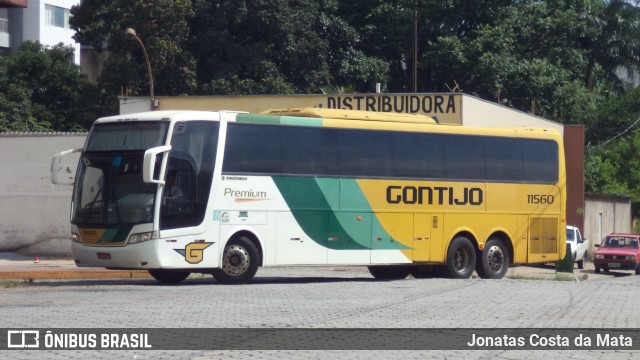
(619, 134)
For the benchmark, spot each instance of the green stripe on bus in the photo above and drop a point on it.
(354, 202)
(281, 120)
(115, 235)
(315, 204)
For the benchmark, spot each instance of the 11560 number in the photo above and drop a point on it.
(540, 199)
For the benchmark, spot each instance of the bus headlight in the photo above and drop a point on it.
(75, 237)
(141, 237)
(599, 256)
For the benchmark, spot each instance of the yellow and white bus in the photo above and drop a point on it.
(395, 192)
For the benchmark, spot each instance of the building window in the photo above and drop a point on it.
(57, 16)
(630, 74)
(4, 25)
(4, 21)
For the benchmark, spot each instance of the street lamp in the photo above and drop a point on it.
(131, 34)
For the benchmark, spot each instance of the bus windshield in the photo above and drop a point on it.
(110, 191)
(110, 188)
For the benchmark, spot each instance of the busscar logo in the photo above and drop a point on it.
(23, 339)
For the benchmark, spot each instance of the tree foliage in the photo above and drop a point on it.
(42, 90)
(162, 25)
(530, 54)
(555, 58)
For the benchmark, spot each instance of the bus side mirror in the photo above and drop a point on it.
(62, 174)
(149, 164)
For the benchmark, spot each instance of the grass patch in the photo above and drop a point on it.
(522, 277)
(564, 277)
(7, 284)
(557, 277)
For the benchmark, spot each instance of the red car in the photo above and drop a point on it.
(618, 252)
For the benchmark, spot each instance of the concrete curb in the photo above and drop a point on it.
(73, 274)
(15, 267)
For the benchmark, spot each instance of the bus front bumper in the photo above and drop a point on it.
(136, 256)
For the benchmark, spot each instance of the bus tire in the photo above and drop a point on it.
(167, 276)
(240, 262)
(389, 272)
(461, 258)
(494, 260)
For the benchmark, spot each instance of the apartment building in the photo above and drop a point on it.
(46, 21)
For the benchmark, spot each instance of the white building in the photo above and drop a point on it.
(629, 76)
(45, 21)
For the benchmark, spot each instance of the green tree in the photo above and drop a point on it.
(612, 166)
(611, 38)
(160, 24)
(278, 46)
(42, 89)
(532, 55)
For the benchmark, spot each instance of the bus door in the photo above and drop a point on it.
(189, 175)
(427, 236)
(521, 240)
(543, 239)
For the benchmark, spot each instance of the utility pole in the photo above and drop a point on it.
(414, 76)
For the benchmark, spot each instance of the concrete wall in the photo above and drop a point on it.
(34, 213)
(604, 215)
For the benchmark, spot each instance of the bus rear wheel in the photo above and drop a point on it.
(169, 276)
(239, 262)
(389, 272)
(461, 258)
(494, 260)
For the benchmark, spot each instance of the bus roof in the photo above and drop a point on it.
(165, 115)
(336, 118)
(352, 115)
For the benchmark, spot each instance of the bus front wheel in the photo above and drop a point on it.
(169, 276)
(239, 262)
(461, 258)
(494, 260)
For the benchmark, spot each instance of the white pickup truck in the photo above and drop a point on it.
(579, 245)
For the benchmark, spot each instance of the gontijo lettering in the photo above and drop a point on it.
(427, 195)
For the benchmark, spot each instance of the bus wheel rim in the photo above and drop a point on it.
(460, 260)
(495, 258)
(236, 260)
